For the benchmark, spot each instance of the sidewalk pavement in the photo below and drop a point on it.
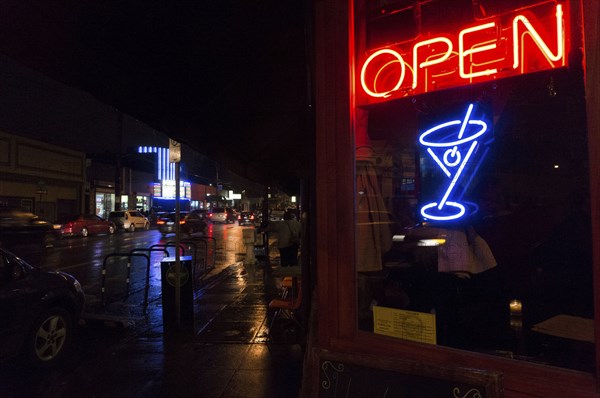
(228, 354)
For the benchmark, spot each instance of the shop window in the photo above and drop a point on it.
(473, 223)
(124, 202)
(104, 204)
(141, 203)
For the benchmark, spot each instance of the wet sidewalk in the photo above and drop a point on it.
(227, 355)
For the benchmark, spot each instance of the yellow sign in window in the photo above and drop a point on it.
(407, 325)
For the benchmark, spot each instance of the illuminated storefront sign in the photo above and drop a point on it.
(168, 189)
(527, 41)
(457, 148)
(157, 189)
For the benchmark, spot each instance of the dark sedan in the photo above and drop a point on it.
(39, 311)
(84, 225)
(246, 218)
(190, 223)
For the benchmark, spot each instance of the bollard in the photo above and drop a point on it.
(169, 303)
(249, 236)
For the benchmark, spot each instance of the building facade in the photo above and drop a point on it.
(41, 178)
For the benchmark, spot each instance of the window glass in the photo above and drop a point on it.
(483, 247)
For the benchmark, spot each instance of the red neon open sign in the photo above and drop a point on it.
(527, 41)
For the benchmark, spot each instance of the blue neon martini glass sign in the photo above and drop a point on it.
(453, 146)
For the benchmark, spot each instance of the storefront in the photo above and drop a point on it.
(462, 136)
(40, 178)
(105, 202)
(200, 194)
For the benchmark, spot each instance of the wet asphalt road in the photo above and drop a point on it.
(108, 320)
(85, 259)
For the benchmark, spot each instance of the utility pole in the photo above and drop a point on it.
(118, 165)
(217, 185)
(175, 157)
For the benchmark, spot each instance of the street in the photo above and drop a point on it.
(85, 259)
(114, 313)
(122, 347)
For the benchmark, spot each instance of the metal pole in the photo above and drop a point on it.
(265, 221)
(177, 254)
(119, 165)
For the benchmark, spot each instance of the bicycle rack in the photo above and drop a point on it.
(192, 243)
(169, 244)
(214, 251)
(191, 246)
(129, 256)
(147, 286)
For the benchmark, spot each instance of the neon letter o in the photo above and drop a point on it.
(366, 64)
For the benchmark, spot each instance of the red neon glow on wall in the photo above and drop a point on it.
(526, 41)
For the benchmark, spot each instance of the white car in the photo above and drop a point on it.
(218, 215)
(129, 220)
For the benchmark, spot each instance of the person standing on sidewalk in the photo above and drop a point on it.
(288, 238)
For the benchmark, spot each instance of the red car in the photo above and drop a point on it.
(84, 225)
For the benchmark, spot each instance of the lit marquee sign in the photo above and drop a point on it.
(457, 147)
(530, 40)
(165, 171)
(168, 189)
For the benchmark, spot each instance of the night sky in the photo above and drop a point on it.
(228, 78)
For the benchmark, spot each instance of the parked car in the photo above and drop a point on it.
(129, 220)
(218, 215)
(84, 225)
(246, 218)
(39, 311)
(190, 223)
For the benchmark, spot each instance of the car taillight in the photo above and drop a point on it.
(210, 215)
(252, 217)
(160, 222)
(239, 217)
(181, 222)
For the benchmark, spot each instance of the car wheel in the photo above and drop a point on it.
(132, 227)
(84, 232)
(111, 229)
(50, 337)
